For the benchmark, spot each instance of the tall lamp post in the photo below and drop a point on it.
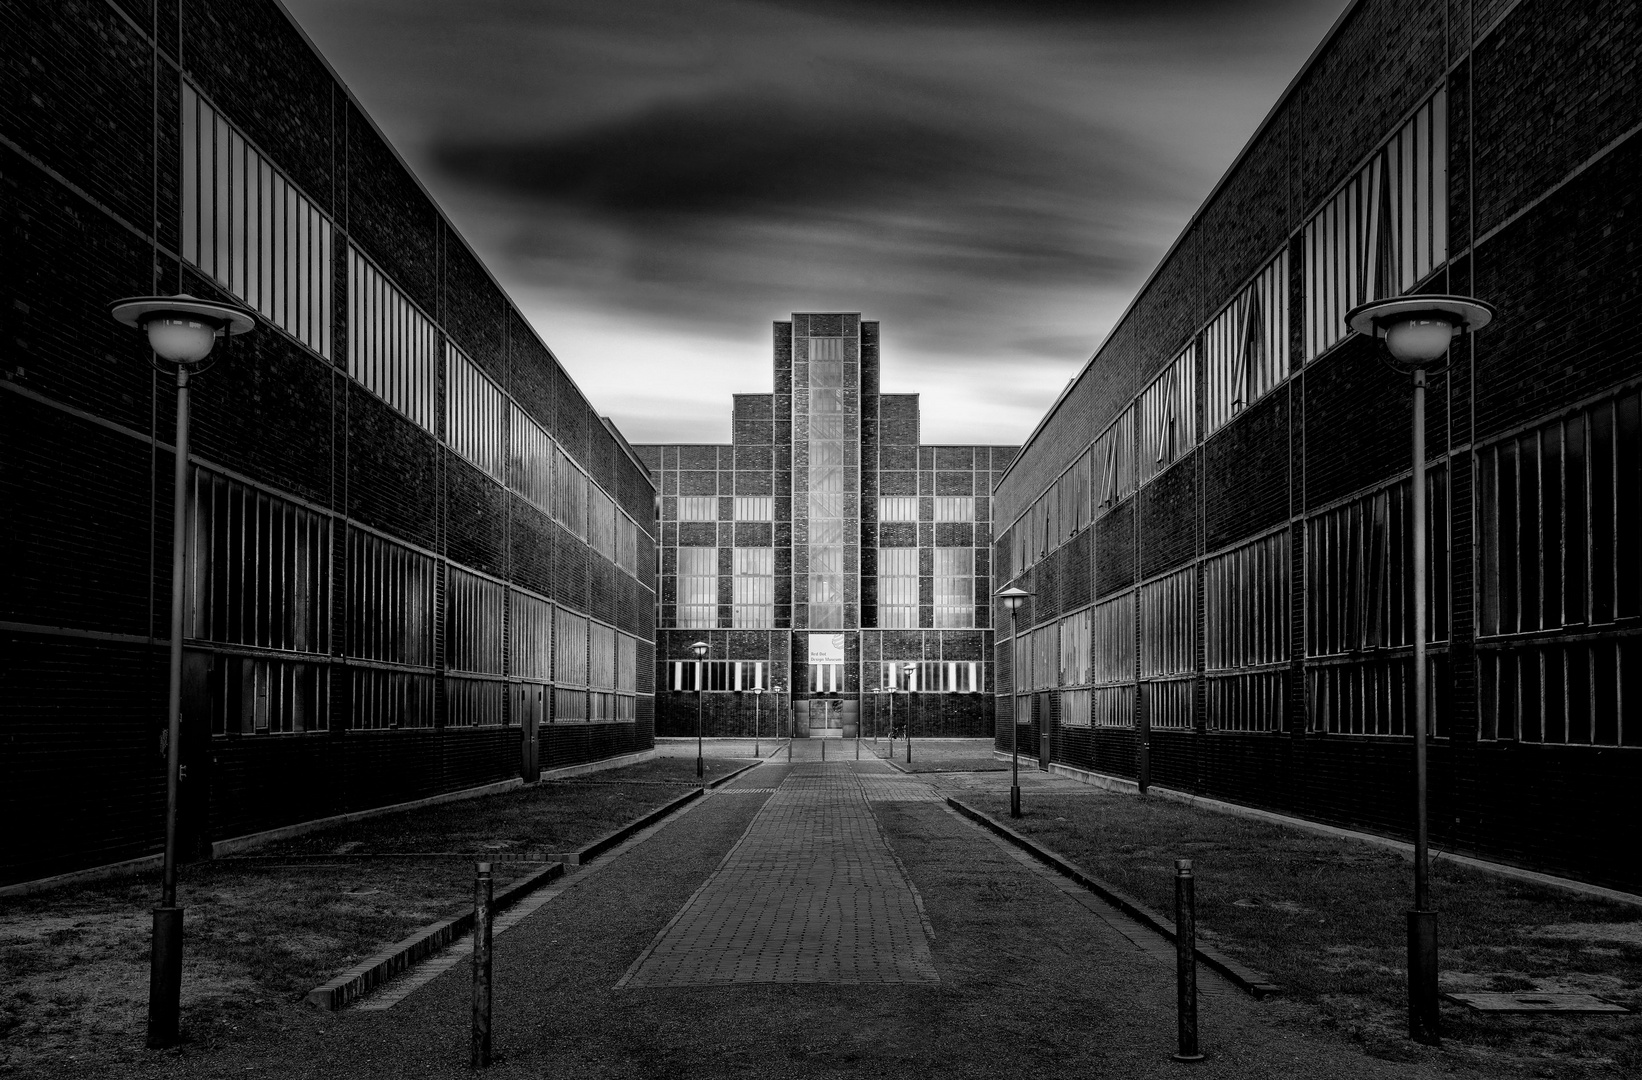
(182, 331)
(1415, 333)
(758, 693)
(699, 650)
(1013, 597)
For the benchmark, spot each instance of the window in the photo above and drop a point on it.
(1074, 708)
(698, 587)
(626, 678)
(897, 588)
(1168, 622)
(897, 508)
(570, 665)
(473, 622)
(1559, 550)
(954, 587)
(720, 676)
(1359, 608)
(601, 522)
(251, 230)
(954, 508)
(698, 508)
(531, 461)
(569, 494)
(1074, 649)
(474, 702)
(1384, 231)
(1046, 657)
(475, 414)
(931, 676)
(754, 507)
(257, 696)
(753, 595)
(833, 442)
(627, 544)
(530, 640)
(1112, 703)
(601, 656)
(1246, 626)
(1072, 497)
(1168, 415)
(569, 706)
(1246, 347)
(1113, 461)
(258, 569)
(393, 350)
(390, 621)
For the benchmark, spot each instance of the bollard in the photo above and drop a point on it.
(482, 896)
(1185, 943)
(823, 749)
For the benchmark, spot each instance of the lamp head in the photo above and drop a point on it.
(1417, 330)
(1013, 597)
(182, 329)
(699, 649)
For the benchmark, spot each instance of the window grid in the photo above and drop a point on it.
(753, 588)
(570, 664)
(601, 522)
(475, 414)
(530, 637)
(1246, 347)
(698, 507)
(1384, 231)
(754, 507)
(721, 676)
(897, 508)
(1075, 651)
(531, 460)
(257, 696)
(569, 494)
(475, 614)
(601, 656)
(1168, 415)
(390, 602)
(1114, 461)
(1168, 624)
(697, 588)
(475, 702)
(393, 350)
(897, 588)
(954, 587)
(954, 508)
(251, 230)
(1246, 605)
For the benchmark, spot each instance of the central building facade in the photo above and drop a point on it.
(827, 558)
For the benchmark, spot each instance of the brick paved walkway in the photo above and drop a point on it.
(811, 893)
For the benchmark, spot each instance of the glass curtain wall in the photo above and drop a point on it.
(832, 438)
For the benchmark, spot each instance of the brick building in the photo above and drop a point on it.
(1213, 519)
(826, 552)
(418, 560)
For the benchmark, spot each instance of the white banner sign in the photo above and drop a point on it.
(826, 648)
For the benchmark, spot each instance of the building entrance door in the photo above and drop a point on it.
(823, 716)
(529, 701)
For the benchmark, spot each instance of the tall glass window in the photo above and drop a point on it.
(831, 444)
(475, 414)
(393, 349)
(954, 508)
(897, 588)
(698, 587)
(698, 508)
(897, 508)
(753, 596)
(954, 587)
(754, 507)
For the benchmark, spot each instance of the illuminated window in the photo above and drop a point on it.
(897, 588)
(954, 587)
(954, 508)
(898, 508)
(753, 589)
(754, 507)
(697, 587)
(698, 508)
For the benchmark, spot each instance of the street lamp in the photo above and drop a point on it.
(1416, 332)
(758, 692)
(1013, 597)
(699, 649)
(181, 331)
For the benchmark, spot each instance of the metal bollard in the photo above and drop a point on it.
(823, 749)
(482, 897)
(1185, 942)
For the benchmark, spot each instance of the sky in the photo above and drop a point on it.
(654, 182)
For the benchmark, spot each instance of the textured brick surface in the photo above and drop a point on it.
(811, 893)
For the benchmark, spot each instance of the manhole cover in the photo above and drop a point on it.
(1531, 1002)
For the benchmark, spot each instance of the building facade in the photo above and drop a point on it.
(418, 560)
(1213, 520)
(828, 559)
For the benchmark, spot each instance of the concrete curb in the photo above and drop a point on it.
(361, 979)
(1246, 979)
(587, 854)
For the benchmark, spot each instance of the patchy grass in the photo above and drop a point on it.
(667, 770)
(74, 961)
(943, 756)
(1325, 918)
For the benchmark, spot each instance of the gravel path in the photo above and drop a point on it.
(1035, 978)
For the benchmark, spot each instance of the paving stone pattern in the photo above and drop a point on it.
(811, 893)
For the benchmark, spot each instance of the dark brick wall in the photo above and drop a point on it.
(1542, 148)
(86, 426)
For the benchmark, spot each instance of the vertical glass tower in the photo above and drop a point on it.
(824, 551)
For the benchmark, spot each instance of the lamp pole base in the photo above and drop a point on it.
(165, 978)
(1423, 1026)
(1187, 1057)
(1014, 801)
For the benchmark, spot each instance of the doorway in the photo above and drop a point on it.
(529, 700)
(825, 718)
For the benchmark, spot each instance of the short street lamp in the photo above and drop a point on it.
(1416, 333)
(699, 649)
(182, 331)
(1013, 597)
